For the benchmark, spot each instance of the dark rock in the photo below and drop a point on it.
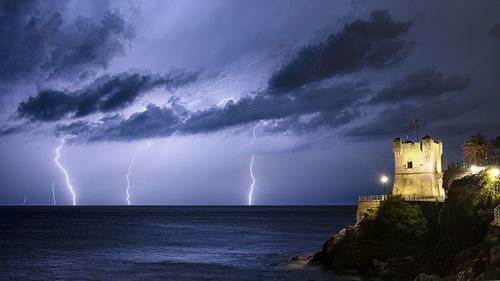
(478, 267)
(381, 268)
(464, 275)
(423, 258)
(425, 277)
(494, 255)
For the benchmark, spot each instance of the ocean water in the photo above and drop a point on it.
(165, 242)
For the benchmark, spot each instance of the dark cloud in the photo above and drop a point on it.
(327, 119)
(391, 121)
(292, 98)
(35, 40)
(105, 94)
(436, 116)
(425, 83)
(90, 43)
(155, 121)
(75, 128)
(421, 95)
(330, 104)
(495, 31)
(330, 119)
(10, 131)
(376, 43)
(264, 106)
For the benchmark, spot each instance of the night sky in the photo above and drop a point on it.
(335, 82)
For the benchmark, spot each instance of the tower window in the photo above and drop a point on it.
(409, 165)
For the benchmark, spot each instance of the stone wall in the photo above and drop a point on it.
(417, 167)
(364, 206)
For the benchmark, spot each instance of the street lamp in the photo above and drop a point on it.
(384, 180)
(475, 169)
(495, 172)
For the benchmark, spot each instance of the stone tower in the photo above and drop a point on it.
(417, 170)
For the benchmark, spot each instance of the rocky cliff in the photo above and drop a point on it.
(353, 249)
(424, 241)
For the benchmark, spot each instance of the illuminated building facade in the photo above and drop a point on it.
(417, 168)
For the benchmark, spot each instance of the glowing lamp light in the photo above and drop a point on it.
(475, 169)
(384, 179)
(494, 172)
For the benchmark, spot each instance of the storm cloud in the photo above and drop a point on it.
(304, 106)
(330, 104)
(105, 94)
(450, 116)
(155, 121)
(36, 41)
(10, 130)
(307, 101)
(376, 43)
(425, 83)
(293, 97)
(422, 95)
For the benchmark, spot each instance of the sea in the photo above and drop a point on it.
(167, 242)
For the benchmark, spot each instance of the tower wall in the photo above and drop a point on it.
(417, 168)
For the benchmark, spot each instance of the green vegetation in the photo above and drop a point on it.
(495, 150)
(469, 209)
(452, 172)
(397, 219)
(464, 218)
(478, 151)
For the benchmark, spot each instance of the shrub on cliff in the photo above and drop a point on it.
(453, 171)
(469, 209)
(397, 219)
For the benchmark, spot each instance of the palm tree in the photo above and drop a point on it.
(476, 150)
(495, 147)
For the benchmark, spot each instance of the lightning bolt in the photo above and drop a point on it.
(261, 122)
(68, 183)
(253, 182)
(53, 193)
(231, 80)
(24, 201)
(132, 163)
(224, 101)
